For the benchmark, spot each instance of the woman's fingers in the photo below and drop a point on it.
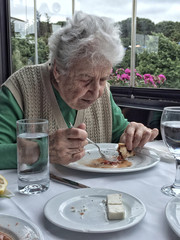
(67, 145)
(137, 135)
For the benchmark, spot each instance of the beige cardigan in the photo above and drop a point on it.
(33, 91)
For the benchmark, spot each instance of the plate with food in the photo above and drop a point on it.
(127, 161)
(172, 212)
(14, 228)
(82, 210)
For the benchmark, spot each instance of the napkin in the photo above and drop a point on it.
(161, 150)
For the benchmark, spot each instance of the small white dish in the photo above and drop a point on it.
(84, 210)
(172, 212)
(141, 161)
(19, 229)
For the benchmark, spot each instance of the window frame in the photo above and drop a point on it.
(5, 43)
(145, 98)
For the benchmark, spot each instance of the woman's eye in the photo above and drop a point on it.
(103, 79)
(86, 81)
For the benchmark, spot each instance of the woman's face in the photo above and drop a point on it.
(83, 85)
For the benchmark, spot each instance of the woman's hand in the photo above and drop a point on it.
(137, 135)
(28, 151)
(67, 145)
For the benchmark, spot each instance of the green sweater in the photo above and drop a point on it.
(10, 112)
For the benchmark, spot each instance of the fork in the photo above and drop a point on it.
(105, 157)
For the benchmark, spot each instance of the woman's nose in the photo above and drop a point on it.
(95, 88)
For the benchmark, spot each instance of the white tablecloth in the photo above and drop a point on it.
(144, 185)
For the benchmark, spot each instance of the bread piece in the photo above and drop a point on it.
(115, 212)
(5, 236)
(114, 199)
(123, 152)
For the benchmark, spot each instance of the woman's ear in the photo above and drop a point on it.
(55, 72)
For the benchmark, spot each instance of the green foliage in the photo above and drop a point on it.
(157, 52)
(166, 62)
(169, 29)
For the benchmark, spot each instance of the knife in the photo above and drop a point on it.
(67, 181)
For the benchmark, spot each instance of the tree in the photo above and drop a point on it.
(144, 26)
(158, 53)
(166, 62)
(169, 29)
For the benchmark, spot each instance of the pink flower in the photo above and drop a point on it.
(162, 77)
(127, 71)
(139, 75)
(147, 76)
(125, 76)
(151, 80)
(118, 76)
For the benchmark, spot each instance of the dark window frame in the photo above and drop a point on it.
(145, 98)
(5, 43)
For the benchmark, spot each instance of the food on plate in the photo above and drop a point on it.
(4, 236)
(102, 163)
(123, 152)
(121, 161)
(115, 207)
(3, 184)
(114, 199)
(115, 212)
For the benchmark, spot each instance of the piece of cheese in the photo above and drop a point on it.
(115, 212)
(114, 199)
(115, 207)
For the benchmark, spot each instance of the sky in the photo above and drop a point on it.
(58, 10)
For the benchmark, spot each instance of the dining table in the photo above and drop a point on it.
(144, 185)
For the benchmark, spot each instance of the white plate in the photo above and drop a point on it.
(65, 209)
(173, 214)
(141, 161)
(19, 229)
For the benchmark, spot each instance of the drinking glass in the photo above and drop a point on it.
(32, 156)
(170, 130)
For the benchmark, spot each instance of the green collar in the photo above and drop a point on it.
(68, 113)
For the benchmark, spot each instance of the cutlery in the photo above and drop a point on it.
(105, 157)
(67, 181)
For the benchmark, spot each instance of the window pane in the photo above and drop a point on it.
(30, 41)
(158, 44)
(157, 38)
(22, 30)
(121, 12)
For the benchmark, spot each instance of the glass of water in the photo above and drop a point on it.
(32, 156)
(170, 130)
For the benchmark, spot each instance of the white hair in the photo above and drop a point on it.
(86, 36)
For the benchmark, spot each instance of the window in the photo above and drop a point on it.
(148, 76)
(32, 22)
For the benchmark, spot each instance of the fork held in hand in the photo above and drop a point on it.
(102, 154)
(107, 158)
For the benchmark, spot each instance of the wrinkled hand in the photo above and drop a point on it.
(67, 145)
(28, 151)
(137, 135)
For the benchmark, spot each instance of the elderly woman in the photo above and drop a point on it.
(70, 88)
